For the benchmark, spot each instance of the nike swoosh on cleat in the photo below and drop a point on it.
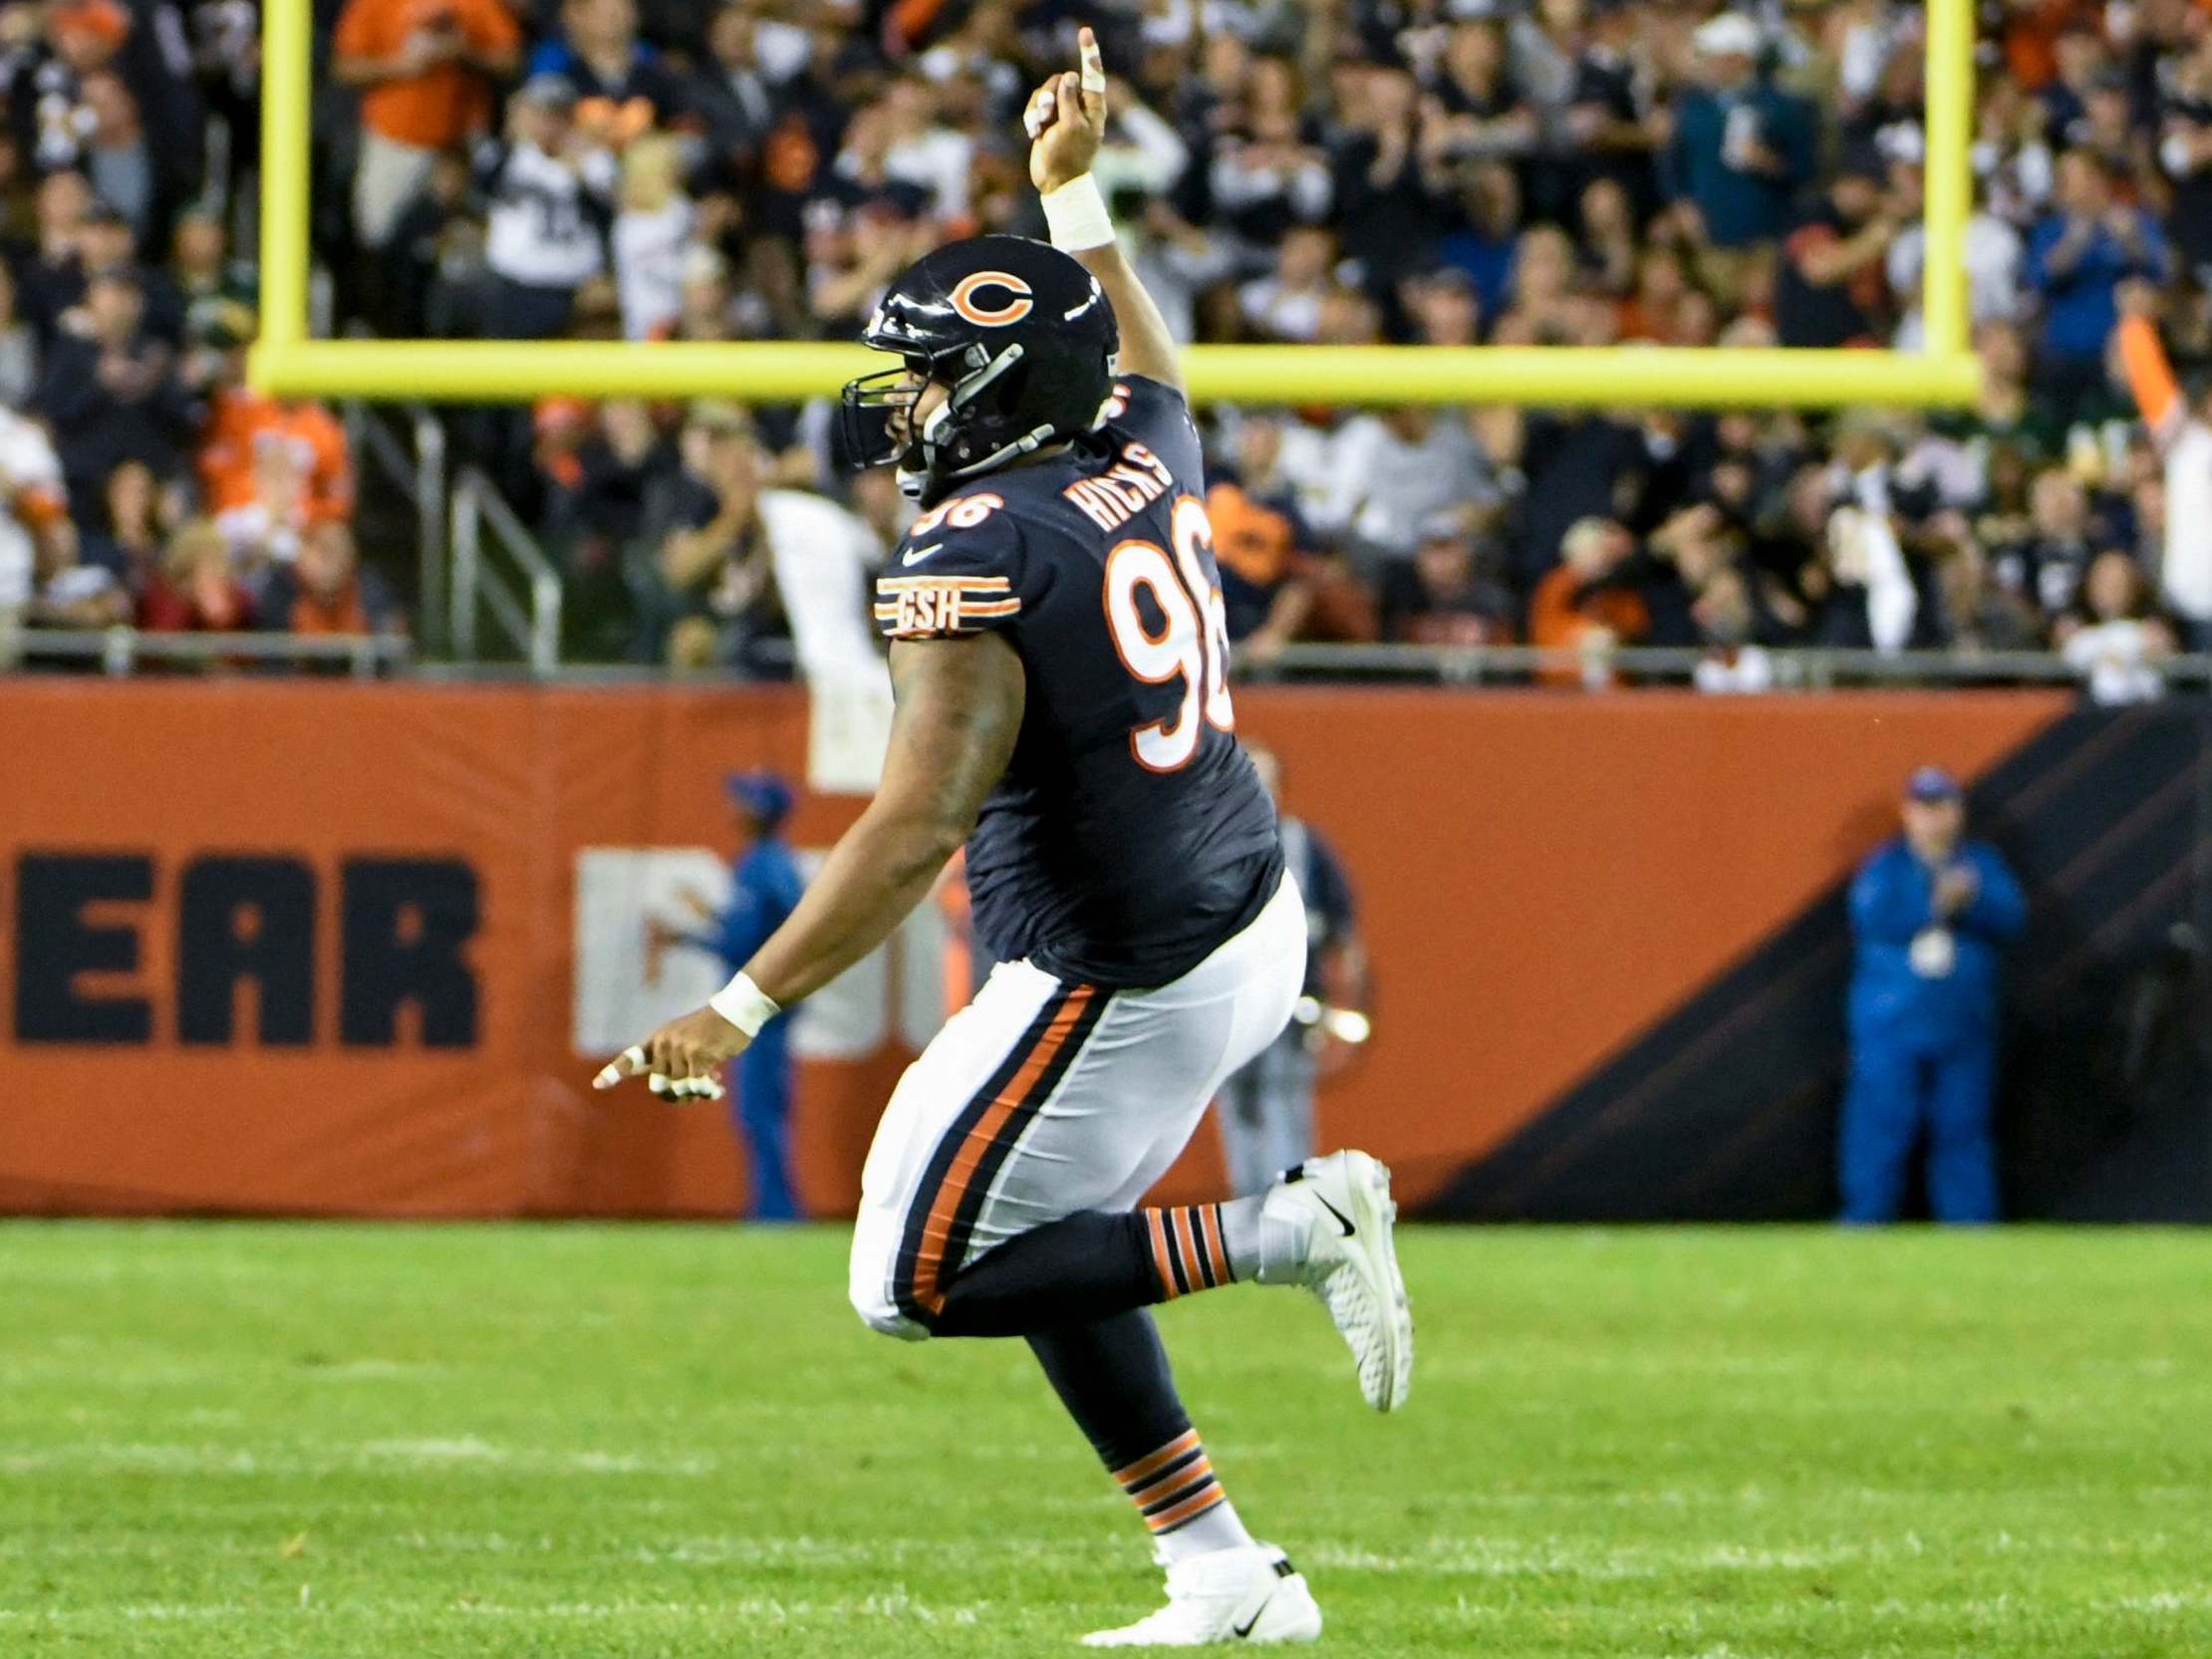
(917, 555)
(1341, 1220)
(1245, 1629)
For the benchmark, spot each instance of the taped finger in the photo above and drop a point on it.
(1094, 64)
(1042, 107)
(626, 1064)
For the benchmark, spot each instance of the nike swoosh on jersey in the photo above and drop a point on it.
(915, 555)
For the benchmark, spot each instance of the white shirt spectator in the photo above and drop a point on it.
(2117, 660)
(650, 249)
(1237, 184)
(545, 225)
(30, 472)
(2187, 572)
(824, 559)
(1389, 485)
(1285, 313)
(1747, 672)
(936, 159)
(1991, 251)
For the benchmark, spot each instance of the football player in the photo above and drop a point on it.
(1060, 664)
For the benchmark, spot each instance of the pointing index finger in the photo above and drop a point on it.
(1094, 64)
(628, 1063)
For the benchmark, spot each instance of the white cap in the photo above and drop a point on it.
(1731, 35)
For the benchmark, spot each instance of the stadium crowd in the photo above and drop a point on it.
(1444, 171)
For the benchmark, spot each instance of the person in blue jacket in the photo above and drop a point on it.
(764, 888)
(1931, 913)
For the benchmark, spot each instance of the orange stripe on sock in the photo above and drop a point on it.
(1186, 1244)
(936, 1231)
(1152, 1460)
(1180, 1479)
(1185, 1511)
(1168, 1290)
(1209, 1223)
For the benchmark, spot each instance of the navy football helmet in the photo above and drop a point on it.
(1019, 330)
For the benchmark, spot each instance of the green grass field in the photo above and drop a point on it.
(315, 1442)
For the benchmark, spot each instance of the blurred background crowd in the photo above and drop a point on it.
(1423, 171)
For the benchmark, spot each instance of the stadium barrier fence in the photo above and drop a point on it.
(324, 946)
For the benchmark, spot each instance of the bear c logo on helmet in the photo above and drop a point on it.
(1017, 306)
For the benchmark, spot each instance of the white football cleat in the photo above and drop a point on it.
(1225, 1595)
(1343, 1202)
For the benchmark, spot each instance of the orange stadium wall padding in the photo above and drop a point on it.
(313, 949)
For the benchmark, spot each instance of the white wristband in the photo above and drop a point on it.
(744, 1005)
(1076, 215)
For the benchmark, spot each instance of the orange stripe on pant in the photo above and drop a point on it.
(929, 1267)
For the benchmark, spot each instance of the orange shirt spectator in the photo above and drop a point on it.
(287, 460)
(433, 94)
(425, 69)
(1573, 609)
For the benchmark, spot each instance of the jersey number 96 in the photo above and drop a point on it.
(1192, 647)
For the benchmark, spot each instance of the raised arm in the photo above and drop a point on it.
(1066, 120)
(960, 703)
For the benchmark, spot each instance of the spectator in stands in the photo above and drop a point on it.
(74, 593)
(622, 87)
(707, 584)
(1445, 594)
(1932, 914)
(1488, 233)
(1831, 290)
(209, 281)
(1584, 605)
(106, 241)
(324, 591)
(269, 471)
(195, 591)
(2184, 441)
(1398, 469)
(425, 69)
(550, 184)
(2078, 255)
(1261, 544)
(131, 541)
(51, 275)
(652, 234)
(34, 510)
(1740, 149)
(19, 348)
(111, 389)
(2113, 640)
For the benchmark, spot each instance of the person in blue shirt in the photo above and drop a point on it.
(764, 888)
(1931, 914)
(2077, 256)
(1741, 150)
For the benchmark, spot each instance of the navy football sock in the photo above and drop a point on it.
(1112, 1375)
(1086, 1267)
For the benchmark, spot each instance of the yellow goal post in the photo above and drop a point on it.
(286, 362)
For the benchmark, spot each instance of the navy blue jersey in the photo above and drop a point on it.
(1130, 835)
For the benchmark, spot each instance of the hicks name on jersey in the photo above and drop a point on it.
(1113, 497)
